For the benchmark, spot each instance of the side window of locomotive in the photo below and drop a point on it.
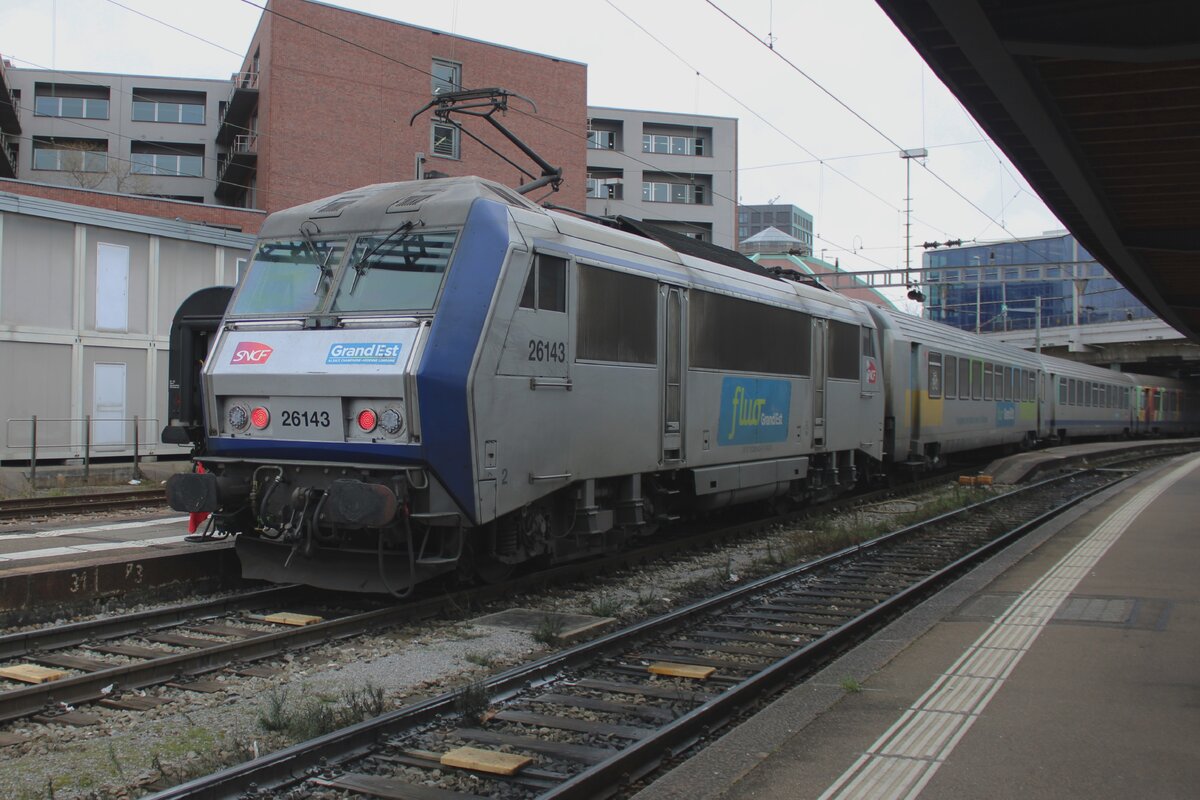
(546, 286)
(950, 381)
(734, 335)
(935, 375)
(617, 318)
(964, 379)
(843, 350)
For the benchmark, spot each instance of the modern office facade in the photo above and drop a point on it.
(791, 220)
(675, 170)
(321, 104)
(993, 287)
(133, 134)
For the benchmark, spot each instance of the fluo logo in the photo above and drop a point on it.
(754, 410)
(251, 353)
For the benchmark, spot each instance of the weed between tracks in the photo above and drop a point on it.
(318, 713)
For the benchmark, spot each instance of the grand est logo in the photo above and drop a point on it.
(754, 410)
(251, 353)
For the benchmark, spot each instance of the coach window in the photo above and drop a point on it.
(1031, 385)
(618, 317)
(987, 381)
(964, 379)
(950, 382)
(1088, 394)
(546, 286)
(734, 335)
(935, 375)
(1062, 391)
(976, 380)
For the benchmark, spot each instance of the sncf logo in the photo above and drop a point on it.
(251, 353)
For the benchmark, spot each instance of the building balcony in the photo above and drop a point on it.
(239, 108)
(10, 123)
(237, 167)
(8, 163)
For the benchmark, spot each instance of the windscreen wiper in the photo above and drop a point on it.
(321, 262)
(363, 263)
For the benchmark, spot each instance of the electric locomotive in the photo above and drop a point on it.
(422, 378)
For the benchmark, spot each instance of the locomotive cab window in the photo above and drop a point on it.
(395, 272)
(289, 277)
(546, 286)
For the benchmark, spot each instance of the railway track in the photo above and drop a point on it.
(184, 642)
(593, 718)
(23, 507)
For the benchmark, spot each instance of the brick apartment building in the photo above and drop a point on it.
(321, 104)
(310, 114)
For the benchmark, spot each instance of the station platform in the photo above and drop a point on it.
(69, 565)
(1066, 666)
(1025, 466)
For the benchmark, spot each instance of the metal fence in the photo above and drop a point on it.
(70, 437)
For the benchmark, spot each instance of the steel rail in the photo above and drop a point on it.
(20, 507)
(293, 763)
(16, 645)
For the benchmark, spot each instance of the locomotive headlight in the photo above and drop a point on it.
(391, 421)
(239, 417)
(367, 420)
(260, 417)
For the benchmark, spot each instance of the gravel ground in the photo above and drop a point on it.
(129, 754)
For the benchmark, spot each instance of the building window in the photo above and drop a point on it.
(70, 155)
(604, 187)
(447, 76)
(659, 192)
(174, 160)
(74, 102)
(112, 287)
(150, 105)
(674, 145)
(445, 140)
(602, 140)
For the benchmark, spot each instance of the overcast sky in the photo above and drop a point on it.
(796, 143)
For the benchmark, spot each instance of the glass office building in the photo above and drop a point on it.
(993, 287)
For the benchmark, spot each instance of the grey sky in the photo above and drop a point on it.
(674, 55)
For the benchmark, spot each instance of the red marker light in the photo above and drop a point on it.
(260, 417)
(367, 420)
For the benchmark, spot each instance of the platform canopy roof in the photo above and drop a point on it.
(1097, 103)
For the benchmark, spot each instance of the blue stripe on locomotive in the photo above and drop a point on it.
(442, 380)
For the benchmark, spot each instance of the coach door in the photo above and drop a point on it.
(820, 353)
(672, 371)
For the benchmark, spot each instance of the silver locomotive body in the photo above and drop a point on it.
(416, 379)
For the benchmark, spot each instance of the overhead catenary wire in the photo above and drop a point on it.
(775, 51)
